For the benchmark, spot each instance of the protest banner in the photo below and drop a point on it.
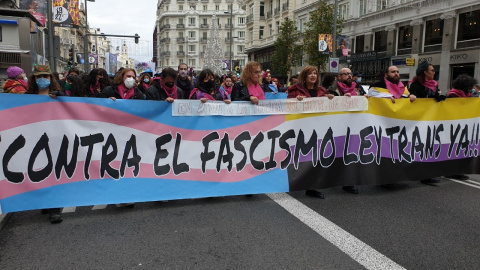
(84, 151)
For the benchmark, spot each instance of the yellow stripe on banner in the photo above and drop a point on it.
(422, 109)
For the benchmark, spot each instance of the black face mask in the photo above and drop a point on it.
(169, 85)
(209, 84)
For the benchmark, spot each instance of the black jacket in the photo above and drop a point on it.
(240, 91)
(186, 85)
(156, 92)
(421, 91)
(112, 91)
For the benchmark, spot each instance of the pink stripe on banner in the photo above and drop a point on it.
(8, 189)
(92, 112)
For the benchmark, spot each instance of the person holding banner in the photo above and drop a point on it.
(183, 81)
(423, 85)
(227, 85)
(249, 87)
(163, 88)
(144, 82)
(205, 89)
(268, 83)
(123, 86)
(390, 86)
(345, 86)
(308, 85)
(96, 81)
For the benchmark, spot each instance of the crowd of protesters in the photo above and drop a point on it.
(170, 84)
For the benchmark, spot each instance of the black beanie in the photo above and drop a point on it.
(422, 67)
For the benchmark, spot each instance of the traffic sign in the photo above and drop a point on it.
(334, 64)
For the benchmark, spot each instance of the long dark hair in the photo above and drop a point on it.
(202, 76)
(32, 87)
(92, 78)
(77, 89)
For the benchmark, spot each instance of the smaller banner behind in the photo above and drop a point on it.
(38, 8)
(66, 13)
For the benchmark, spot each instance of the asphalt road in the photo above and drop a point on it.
(411, 226)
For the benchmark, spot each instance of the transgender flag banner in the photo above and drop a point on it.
(86, 151)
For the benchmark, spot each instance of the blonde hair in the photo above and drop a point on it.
(118, 79)
(248, 71)
(302, 78)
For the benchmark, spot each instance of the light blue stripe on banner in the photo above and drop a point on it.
(110, 191)
(277, 95)
(158, 111)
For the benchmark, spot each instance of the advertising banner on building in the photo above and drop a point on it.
(66, 13)
(343, 45)
(74, 151)
(38, 8)
(325, 43)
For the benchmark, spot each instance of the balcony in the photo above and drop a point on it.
(276, 11)
(217, 1)
(166, 40)
(180, 39)
(204, 1)
(192, 39)
(204, 40)
(227, 25)
(269, 14)
(180, 25)
(165, 53)
(204, 26)
(192, 25)
(285, 7)
(227, 39)
(262, 18)
(249, 18)
(165, 26)
(180, 53)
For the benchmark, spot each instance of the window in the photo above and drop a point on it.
(191, 35)
(180, 61)
(381, 4)
(344, 11)
(180, 34)
(469, 25)
(166, 7)
(204, 21)
(229, 21)
(278, 27)
(180, 20)
(433, 32)
(191, 62)
(205, 7)
(363, 7)
(204, 35)
(271, 29)
(191, 48)
(260, 32)
(251, 9)
(180, 7)
(241, 20)
(380, 41)
(250, 34)
(405, 37)
(241, 34)
(217, 7)
(302, 25)
(180, 48)
(228, 35)
(262, 9)
(239, 48)
(359, 44)
(191, 21)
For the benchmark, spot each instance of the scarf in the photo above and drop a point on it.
(273, 87)
(94, 87)
(145, 85)
(125, 95)
(171, 92)
(457, 93)
(227, 89)
(344, 89)
(394, 89)
(432, 84)
(256, 90)
(201, 94)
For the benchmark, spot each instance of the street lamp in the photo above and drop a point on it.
(86, 61)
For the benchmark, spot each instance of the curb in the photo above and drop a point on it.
(4, 218)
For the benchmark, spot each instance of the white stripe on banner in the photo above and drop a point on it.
(349, 244)
(269, 107)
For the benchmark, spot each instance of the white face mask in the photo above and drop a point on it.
(129, 83)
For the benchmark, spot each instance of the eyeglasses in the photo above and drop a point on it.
(346, 73)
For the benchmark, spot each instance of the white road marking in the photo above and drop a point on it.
(473, 182)
(99, 207)
(349, 244)
(69, 209)
(465, 183)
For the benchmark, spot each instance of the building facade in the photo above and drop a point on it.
(407, 32)
(183, 29)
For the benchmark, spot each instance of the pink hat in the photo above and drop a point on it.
(13, 72)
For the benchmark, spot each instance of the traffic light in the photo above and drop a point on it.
(71, 53)
(136, 38)
(69, 65)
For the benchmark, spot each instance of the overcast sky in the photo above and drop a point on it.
(123, 17)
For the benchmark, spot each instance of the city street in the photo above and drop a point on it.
(409, 225)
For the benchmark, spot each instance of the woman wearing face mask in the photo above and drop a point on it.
(144, 82)
(41, 82)
(205, 89)
(74, 86)
(123, 87)
(357, 78)
(97, 81)
(164, 88)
